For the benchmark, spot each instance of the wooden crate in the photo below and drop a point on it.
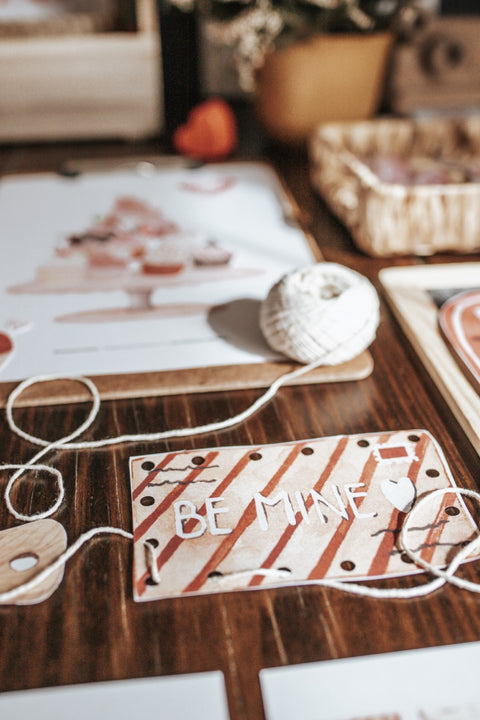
(386, 218)
(83, 86)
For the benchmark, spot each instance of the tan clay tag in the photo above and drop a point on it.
(296, 512)
(24, 552)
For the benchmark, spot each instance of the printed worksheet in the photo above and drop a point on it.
(129, 271)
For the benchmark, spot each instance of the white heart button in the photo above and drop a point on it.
(401, 493)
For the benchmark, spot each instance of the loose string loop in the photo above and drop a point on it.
(140, 437)
(46, 445)
(448, 574)
(441, 576)
(67, 444)
(63, 441)
(33, 465)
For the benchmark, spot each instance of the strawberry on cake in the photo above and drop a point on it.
(166, 257)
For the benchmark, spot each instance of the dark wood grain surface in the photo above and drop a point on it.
(91, 629)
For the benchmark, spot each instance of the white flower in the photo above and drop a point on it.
(252, 34)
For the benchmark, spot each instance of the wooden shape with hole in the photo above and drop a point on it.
(25, 551)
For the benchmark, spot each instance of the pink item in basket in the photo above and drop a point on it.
(432, 171)
(415, 170)
(389, 168)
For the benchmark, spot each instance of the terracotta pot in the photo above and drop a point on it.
(322, 79)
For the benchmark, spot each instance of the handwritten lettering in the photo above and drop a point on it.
(191, 524)
(186, 511)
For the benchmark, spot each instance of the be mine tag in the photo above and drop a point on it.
(238, 518)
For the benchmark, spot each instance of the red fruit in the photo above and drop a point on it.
(210, 132)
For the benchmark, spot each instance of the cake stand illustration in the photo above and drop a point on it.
(140, 289)
(134, 248)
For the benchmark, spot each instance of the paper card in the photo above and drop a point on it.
(245, 517)
(438, 683)
(145, 698)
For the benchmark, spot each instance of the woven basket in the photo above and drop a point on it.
(387, 219)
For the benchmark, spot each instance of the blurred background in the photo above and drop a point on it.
(134, 69)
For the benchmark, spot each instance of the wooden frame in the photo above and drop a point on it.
(409, 292)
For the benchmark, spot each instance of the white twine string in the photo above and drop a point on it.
(441, 577)
(151, 562)
(65, 442)
(140, 437)
(9, 595)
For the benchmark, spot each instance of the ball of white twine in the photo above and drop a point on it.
(324, 312)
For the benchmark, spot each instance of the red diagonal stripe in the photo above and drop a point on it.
(382, 557)
(175, 541)
(326, 558)
(151, 475)
(435, 533)
(290, 529)
(172, 496)
(246, 519)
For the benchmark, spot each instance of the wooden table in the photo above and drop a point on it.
(91, 629)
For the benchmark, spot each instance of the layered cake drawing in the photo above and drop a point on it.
(136, 248)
